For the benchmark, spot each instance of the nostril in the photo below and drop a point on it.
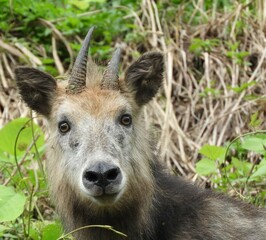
(101, 175)
(91, 176)
(112, 174)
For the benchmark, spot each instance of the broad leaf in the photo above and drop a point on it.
(2, 229)
(11, 204)
(254, 144)
(261, 170)
(242, 166)
(9, 133)
(52, 231)
(206, 167)
(213, 152)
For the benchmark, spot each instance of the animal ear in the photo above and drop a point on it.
(144, 77)
(36, 88)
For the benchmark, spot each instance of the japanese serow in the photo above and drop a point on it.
(101, 165)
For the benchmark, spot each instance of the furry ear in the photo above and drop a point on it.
(144, 77)
(36, 88)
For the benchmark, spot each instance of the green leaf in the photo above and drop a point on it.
(52, 231)
(4, 157)
(2, 229)
(213, 152)
(254, 144)
(242, 167)
(242, 87)
(84, 4)
(34, 234)
(9, 133)
(254, 120)
(210, 91)
(261, 171)
(11, 204)
(206, 167)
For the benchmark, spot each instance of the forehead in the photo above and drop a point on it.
(94, 102)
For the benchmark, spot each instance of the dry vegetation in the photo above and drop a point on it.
(210, 90)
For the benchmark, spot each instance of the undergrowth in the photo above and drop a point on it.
(207, 118)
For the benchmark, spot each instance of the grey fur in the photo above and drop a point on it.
(146, 203)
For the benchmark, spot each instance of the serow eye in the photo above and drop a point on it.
(64, 127)
(126, 120)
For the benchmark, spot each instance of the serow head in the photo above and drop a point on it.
(97, 143)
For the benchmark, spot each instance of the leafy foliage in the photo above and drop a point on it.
(21, 22)
(21, 153)
(242, 163)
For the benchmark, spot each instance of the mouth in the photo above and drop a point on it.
(106, 199)
(103, 197)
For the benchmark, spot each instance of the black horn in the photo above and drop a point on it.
(77, 80)
(110, 76)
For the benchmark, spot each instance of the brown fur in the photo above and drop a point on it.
(152, 205)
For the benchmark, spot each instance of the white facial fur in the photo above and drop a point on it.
(95, 135)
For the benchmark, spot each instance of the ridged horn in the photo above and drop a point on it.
(110, 76)
(77, 79)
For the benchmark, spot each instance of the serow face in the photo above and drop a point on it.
(95, 134)
(97, 142)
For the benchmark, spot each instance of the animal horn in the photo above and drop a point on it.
(77, 80)
(110, 76)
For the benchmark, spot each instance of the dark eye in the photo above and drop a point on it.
(64, 127)
(126, 120)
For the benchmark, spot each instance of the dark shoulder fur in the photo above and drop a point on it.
(180, 211)
(183, 211)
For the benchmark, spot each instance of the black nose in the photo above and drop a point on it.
(101, 174)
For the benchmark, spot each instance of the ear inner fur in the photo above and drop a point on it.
(144, 77)
(37, 89)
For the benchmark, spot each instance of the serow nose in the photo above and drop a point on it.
(101, 174)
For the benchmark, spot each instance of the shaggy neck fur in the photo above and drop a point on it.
(130, 216)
